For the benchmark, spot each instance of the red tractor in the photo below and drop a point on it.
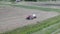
(31, 17)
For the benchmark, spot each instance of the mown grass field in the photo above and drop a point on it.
(45, 27)
(49, 30)
(29, 7)
(38, 8)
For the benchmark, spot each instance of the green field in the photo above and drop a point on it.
(29, 7)
(45, 27)
(49, 30)
(38, 8)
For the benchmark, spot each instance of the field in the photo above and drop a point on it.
(13, 16)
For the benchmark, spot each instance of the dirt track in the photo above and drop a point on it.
(13, 17)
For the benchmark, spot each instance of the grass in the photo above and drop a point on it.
(38, 8)
(30, 7)
(49, 29)
(56, 31)
(37, 27)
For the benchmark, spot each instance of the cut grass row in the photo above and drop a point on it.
(49, 29)
(37, 27)
(55, 32)
(31, 7)
(58, 32)
(38, 8)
